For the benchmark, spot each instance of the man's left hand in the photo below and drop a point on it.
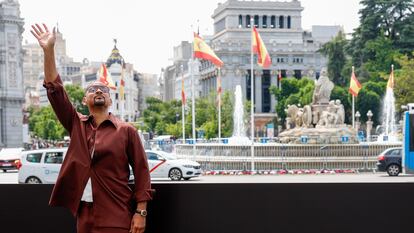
(137, 224)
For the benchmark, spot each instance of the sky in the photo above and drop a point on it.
(147, 31)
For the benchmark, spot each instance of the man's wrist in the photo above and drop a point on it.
(143, 213)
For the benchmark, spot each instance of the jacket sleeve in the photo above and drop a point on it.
(60, 102)
(138, 160)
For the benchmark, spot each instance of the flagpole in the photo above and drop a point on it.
(193, 105)
(182, 102)
(219, 104)
(252, 95)
(353, 103)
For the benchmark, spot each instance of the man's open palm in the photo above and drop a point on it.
(46, 39)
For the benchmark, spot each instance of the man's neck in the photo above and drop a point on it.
(99, 116)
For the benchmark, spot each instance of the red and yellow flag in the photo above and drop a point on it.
(354, 86)
(263, 58)
(182, 91)
(203, 51)
(105, 77)
(390, 83)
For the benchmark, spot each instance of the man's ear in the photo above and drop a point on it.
(84, 100)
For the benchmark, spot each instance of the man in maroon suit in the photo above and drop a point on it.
(93, 180)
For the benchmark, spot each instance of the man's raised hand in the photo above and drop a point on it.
(46, 39)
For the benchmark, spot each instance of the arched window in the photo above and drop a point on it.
(289, 22)
(240, 21)
(248, 21)
(256, 21)
(281, 21)
(264, 21)
(273, 21)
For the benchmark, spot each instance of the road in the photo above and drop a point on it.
(11, 178)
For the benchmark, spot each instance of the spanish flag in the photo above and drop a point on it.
(263, 58)
(390, 83)
(203, 51)
(354, 86)
(105, 77)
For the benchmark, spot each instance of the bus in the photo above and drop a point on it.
(408, 140)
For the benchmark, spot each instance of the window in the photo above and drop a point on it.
(264, 21)
(266, 96)
(288, 22)
(248, 21)
(54, 157)
(116, 96)
(281, 21)
(256, 21)
(298, 74)
(152, 156)
(273, 21)
(240, 21)
(34, 158)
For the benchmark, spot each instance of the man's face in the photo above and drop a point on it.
(97, 95)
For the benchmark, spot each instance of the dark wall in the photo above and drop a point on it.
(239, 208)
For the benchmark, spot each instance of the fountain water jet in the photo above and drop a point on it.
(239, 131)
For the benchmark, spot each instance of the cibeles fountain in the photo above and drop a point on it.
(316, 138)
(322, 121)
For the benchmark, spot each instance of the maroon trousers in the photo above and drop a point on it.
(85, 223)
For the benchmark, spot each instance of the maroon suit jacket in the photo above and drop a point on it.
(117, 145)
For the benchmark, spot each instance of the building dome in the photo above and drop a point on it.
(115, 57)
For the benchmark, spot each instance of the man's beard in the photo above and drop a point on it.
(99, 102)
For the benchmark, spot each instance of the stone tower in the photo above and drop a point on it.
(11, 75)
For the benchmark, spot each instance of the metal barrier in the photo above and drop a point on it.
(284, 156)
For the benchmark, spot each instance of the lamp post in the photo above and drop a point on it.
(369, 125)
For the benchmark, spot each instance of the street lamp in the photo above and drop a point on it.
(369, 125)
(369, 115)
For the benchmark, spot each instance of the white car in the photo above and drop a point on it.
(166, 165)
(10, 159)
(41, 166)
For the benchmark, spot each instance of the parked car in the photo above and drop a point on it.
(10, 159)
(390, 161)
(41, 166)
(166, 165)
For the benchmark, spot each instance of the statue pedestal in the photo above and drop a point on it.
(320, 135)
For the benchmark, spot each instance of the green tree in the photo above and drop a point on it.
(369, 100)
(292, 91)
(335, 51)
(404, 82)
(378, 18)
(76, 94)
(44, 124)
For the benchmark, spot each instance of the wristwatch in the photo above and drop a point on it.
(143, 213)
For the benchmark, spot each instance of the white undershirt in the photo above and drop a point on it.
(87, 192)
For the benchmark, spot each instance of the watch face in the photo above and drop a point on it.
(143, 213)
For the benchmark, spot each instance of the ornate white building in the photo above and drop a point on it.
(11, 75)
(127, 109)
